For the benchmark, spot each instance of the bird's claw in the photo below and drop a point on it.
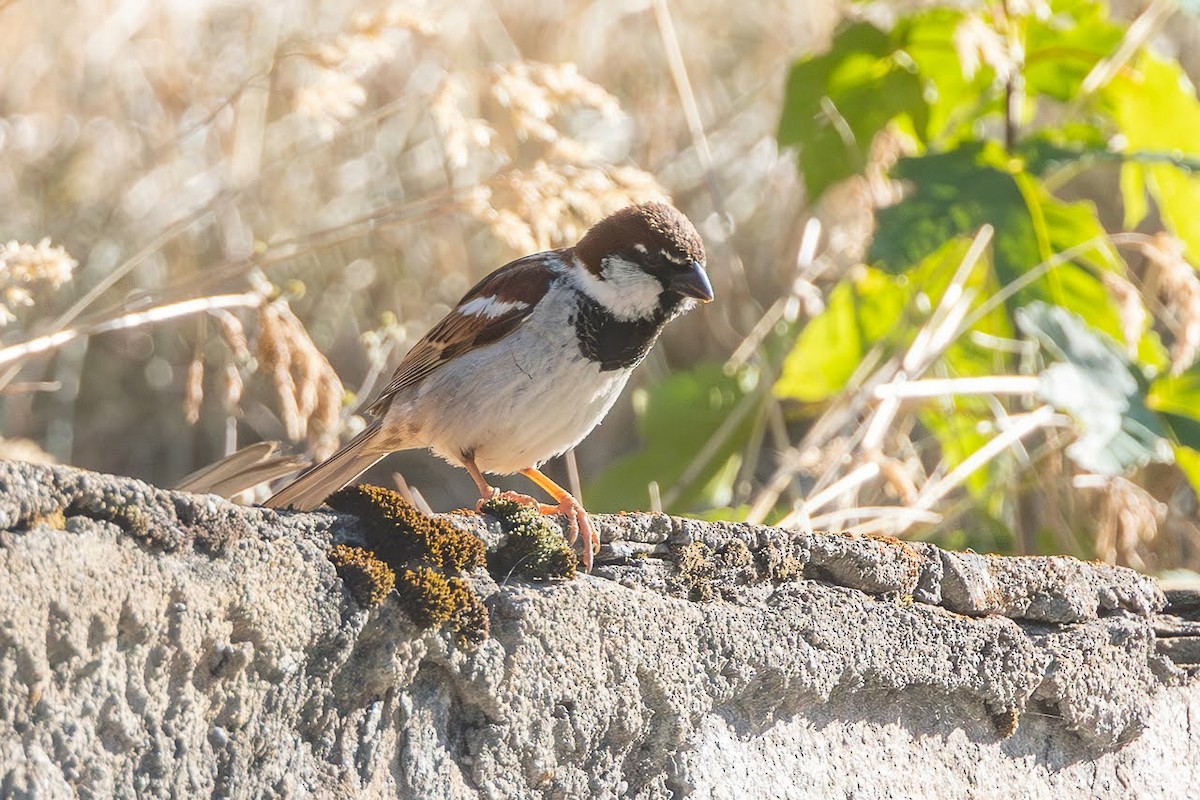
(578, 524)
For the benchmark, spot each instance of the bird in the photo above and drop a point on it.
(529, 361)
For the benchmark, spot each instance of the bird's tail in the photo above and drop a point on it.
(241, 471)
(316, 483)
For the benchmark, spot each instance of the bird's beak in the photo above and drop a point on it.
(692, 282)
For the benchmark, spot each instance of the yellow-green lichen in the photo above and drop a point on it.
(780, 563)
(695, 570)
(418, 552)
(1006, 722)
(368, 579)
(431, 599)
(114, 508)
(534, 548)
(56, 519)
(400, 534)
(702, 572)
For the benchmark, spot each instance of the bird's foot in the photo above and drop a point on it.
(578, 523)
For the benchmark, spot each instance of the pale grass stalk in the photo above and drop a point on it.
(839, 123)
(109, 280)
(1140, 31)
(412, 494)
(882, 418)
(1018, 347)
(752, 452)
(1022, 425)
(683, 86)
(41, 344)
(421, 503)
(779, 480)
(931, 340)
(231, 432)
(1035, 273)
(656, 504)
(805, 259)
(834, 519)
(573, 483)
(840, 415)
(282, 251)
(923, 348)
(895, 520)
(366, 389)
(27, 387)
(750, 344)
(402, 487)
(945, 334)
(886, 524)
(1091, 482)
(776, 428)
(847, 483)
(942, 387)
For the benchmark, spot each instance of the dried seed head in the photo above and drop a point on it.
(231, 388)
(1172, 281)
(26, 267)
(193, 395)
(553, 205)
(330, 93)
(306, 385)
(1130, 309)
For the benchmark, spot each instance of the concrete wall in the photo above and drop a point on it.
(158, 644)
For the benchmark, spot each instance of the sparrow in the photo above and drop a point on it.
(530, 361)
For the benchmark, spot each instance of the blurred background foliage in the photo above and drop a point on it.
(953, 244)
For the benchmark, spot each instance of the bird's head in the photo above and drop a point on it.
(644, 261)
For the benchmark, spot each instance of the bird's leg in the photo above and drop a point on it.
(489, 492)
(578, 523)
(486, 490)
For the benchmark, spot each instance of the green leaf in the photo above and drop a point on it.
(1133, 193)
(957, 192)
(1070, 225)
(835, 103)
(1063, 48)
(1068, 147)
(956, 103)
(860, 312)
(1189, 462)
(676, 420)
(1177, 399)
(1156, 109)
(928, 281)
(954, 194)
(1094, 382)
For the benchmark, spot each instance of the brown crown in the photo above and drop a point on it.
(654, 225)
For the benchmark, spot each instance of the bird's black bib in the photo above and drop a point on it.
(614, 343)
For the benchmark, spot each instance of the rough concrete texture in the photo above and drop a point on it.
(162, 644)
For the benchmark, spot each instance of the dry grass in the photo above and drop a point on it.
(368, 160)
(268, 199)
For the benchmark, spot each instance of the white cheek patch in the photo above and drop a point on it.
(490, 307)
(627, 291)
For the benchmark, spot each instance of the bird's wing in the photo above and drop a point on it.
(493, 309)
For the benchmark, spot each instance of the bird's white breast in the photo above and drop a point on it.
(517, 402)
